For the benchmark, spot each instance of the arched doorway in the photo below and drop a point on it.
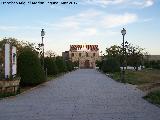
(87, 64)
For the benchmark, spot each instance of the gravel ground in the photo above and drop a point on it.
(84, 94)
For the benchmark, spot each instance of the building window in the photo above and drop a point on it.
(94, 54)
(80, 54)
(72, 54)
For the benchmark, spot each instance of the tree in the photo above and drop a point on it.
(99, 64)
(50, 53)
(51, 66)
(110, 65)
(30, 69)
(70, 65)
(20, 45)
(114, 51)
(152, 64)
(61, 64)
(134, 55)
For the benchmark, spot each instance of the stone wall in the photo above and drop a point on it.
(9, 86)
(75, 56)
(83, 56)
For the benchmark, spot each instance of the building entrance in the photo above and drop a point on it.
(86, 64)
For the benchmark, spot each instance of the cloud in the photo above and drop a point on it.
(95, 19)
(65, 24)
(147, 20)
(103, 3)
(143, 3)
(76, 22)
(115, 20)
(90, 24)
(8, 28)
(134, 3)
(148, 3)
(14, 28)
(91, 31)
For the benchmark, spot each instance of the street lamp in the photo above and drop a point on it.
(42, 45)
(123, 71)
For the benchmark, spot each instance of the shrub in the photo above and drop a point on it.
(152, 64)
(110, 65)
(30, 69)
(70, 65)
(76, 63)
(99, 64)
(61, 65)
(51, 66)
(147, 64)
(156, 64)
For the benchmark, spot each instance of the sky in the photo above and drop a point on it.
(97, 22)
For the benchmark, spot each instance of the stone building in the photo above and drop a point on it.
(85, 55)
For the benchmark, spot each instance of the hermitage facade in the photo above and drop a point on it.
(85, 55)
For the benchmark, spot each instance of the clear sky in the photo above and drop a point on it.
(87, 22)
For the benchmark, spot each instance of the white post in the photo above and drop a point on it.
(7, 61)
(14, 61)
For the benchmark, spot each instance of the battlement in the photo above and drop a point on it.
(84, 48)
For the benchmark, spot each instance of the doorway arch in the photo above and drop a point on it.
(87, 64)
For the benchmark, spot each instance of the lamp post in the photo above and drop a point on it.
(123, 71)
(42, 35)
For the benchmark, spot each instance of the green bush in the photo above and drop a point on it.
(147, 64)
(30, 69)
(99, 64)
(152, 64)
(51, 66)
(61, 65)
(3, 95)
(110, 65)
(70, 65)
(76, 63)
(156, 64)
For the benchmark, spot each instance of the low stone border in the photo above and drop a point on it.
(9, 86)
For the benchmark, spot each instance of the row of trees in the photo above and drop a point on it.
(57, 65)
(152, 64)
(29, 66)
(114, 58)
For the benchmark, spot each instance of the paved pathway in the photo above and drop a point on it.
(80, 95)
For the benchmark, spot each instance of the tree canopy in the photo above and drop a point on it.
(133, 55)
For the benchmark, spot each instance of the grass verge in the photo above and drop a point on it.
(153, 97)
(147, 80)
(6, 95)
